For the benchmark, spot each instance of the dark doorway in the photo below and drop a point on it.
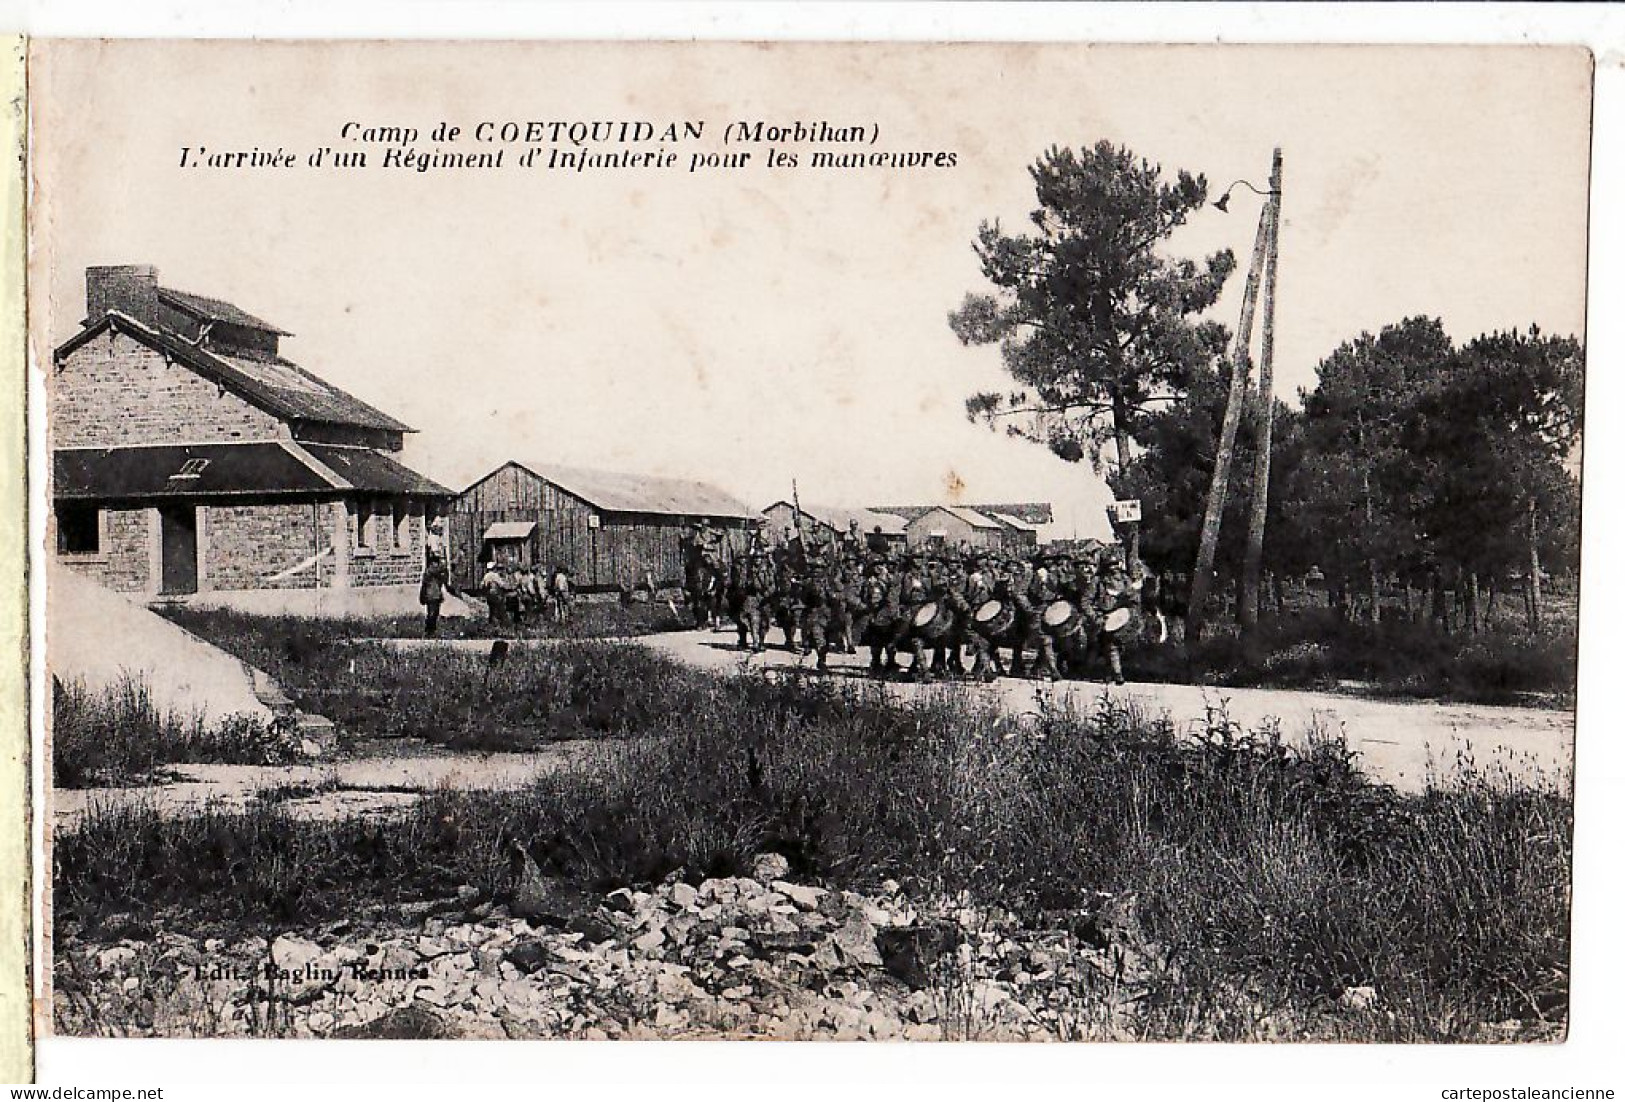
(180, 548)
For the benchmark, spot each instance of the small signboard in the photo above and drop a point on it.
(1124, 512)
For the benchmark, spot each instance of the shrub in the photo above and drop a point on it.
(570, 689)
(1312, 649)
(115, 735)
(1270, 877)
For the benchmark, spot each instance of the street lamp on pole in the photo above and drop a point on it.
(1222, 203)
(1262, 269)
(1252, 564)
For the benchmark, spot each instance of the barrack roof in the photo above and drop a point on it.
(213, 309)
(276, 385)
(628, 492)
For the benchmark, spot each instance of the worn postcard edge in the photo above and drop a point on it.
(16, 1004)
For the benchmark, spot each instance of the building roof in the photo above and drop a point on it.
(626, 492)
(1015, 522)
(510, 530)
(219, 470)
(1033, 512)
(213, 309)
(969, 516)
(368, 469)
(255, 469)
(840, 518)
(274, 384)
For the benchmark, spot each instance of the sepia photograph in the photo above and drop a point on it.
(876, 541)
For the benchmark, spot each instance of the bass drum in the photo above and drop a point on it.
(1061, 618)
(931, 621)
(994, 619)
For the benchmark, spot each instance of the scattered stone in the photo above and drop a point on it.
(856, 941)
(545, 899)
(801, 895)
(528, 956)
(114, 959)
(768, 867)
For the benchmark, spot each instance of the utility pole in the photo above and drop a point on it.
(1218, 488)
(1253, 561)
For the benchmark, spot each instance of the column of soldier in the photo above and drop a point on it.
(953, 612)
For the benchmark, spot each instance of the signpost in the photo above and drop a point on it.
(1125, 514)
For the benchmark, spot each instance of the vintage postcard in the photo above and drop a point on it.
(861, 541)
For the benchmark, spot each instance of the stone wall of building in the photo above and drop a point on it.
(395, 558)
(114, 391)
(271, 545)
(124, 562)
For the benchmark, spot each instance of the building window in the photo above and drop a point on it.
(192, 468)
(78, 528)
(365, 524)
(403, 533)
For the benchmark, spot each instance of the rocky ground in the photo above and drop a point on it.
(736, 957)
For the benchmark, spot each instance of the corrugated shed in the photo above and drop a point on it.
(625, 492)
(213, 309)
(276, 385)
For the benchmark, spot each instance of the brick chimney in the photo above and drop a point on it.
(128, 288)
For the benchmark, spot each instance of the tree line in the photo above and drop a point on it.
(1444, 471)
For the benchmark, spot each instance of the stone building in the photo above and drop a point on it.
(192, 461)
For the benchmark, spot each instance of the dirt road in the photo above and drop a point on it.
(1402, 743)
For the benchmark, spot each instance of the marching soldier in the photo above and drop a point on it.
(787, 600)
(978, 591)
(1041, 593)
(754, 581)
(813, 587)
(880, 612)
(914, 591)
(1116, 590)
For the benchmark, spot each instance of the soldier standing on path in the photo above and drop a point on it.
(493, 587)
(432, 591)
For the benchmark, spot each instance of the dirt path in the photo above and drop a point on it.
(371, 785)
(1402, 743)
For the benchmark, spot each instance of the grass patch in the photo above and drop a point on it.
(1312, 649)
(118, 735)
(589, 619)
(1265, 875)
(569, 690)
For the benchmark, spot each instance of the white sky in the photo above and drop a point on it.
(750, 328)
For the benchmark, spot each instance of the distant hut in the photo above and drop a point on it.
(950, 526)
(611, 529)
(879, 531)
